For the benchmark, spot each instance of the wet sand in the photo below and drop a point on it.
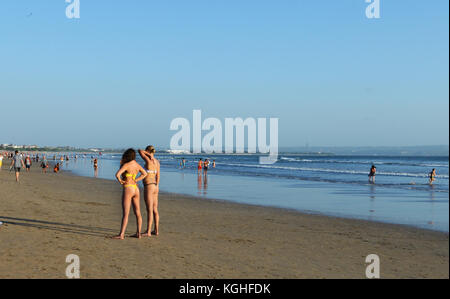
(48, 217)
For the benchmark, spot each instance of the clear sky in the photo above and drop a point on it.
(117, 76)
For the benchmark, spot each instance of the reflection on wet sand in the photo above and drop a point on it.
(202, 184)
(372, 201)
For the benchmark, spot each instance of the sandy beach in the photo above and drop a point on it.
(49, 216)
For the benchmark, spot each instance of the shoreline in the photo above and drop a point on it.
(303, 212)
(200, 238)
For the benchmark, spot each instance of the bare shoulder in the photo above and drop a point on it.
(135, 164)
(129, 165)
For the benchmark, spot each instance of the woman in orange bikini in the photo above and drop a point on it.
(151, 189)
(200, 165)
(126, 176)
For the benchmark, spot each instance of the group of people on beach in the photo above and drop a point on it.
(129, 174)
(21, 161)
(203, 165)
(373, 172)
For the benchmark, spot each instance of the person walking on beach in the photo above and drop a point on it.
(151, 189)
(28, 163)
(1, 161)
(17, 162)
(432, 176)
(129, 169)
(372, 174)
(214, 164)
(44, 165)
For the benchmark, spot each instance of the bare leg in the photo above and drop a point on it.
(149, 207)
(126, 204)
(155, 209)
(137, 212)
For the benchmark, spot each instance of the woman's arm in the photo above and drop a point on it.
(119, 175)
(143, 155)
(143, 174)
(157, 173)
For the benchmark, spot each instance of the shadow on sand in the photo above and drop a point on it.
(60, 227)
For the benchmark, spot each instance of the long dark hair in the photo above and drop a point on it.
(128, 156)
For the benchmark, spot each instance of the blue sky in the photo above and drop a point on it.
(118, 76)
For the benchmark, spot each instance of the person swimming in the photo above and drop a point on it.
(127, 177)
(151, 189)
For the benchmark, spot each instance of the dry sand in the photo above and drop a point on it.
(50, 216)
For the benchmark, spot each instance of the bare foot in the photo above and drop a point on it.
(146, 234)
(118, 237)
(155, 233)
(137, 235)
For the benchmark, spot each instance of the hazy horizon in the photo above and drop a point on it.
(427, 150)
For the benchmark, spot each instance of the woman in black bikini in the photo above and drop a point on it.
(151, 189)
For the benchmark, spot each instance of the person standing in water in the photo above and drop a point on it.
(126, 176)
(200, 165)
(17, 162)
(95, 167)
(205, 166)
(432, 176)
(151, 189)
(373, 171)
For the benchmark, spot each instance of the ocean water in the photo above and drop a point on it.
(330, 185)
